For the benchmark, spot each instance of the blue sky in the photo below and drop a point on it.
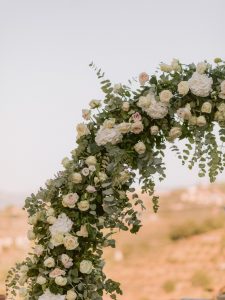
(45, 80)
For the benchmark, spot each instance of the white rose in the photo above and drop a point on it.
(70, 242)
(165, 96)
(65, 162)
(83, 231)
(95, 103)
(51, 220)
(71, 295)
(154, 130)
(175, 65)
(166, 68)
(201, 121)
(57, 239)
(31, 235)
(222, 96)
(109, 123)
(137, 127)
(206, 107)
(49, 262)
(23, 292)
(175, 132)
(140, 148)
(86, 267)
(66, 261)
(70, 200)
(33, 219)
(184, 113)
(125, 106)
(24, 269)
(63, 224)
(124, 127)
(56, 272)
(83, 205)
(108, 135)
(50, 211)
(157, 109)
(76, 177)
(41, 280)
(86, 114)
(193, 120)
(91, 160)
(85, 171)
(90, 189)
(102, 176)
(201, 67)
(144, 101)
(222, 87)
(38, 250)
(92, 169)
(183, 88)
(61, 281)
(82, 130)
(221, 107)
(200, 84)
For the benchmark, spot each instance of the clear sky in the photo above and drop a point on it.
(45, 81)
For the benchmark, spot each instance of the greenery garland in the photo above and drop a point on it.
(77, 212)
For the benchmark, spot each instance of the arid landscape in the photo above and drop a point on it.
(179, 252)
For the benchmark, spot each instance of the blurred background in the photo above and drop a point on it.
(45, 82)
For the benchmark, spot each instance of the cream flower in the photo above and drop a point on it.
(86, 267)
(83, 205)
(90, 189)
(24, 269)
(85, 171)
(49, 296)
(50, 211)
(144, 101)
(109, 123)
(165, 96)
(200, 84)
(41, 280)
(66, 261)
(91, 160)
(154, 130)
(222, 87)
(76, 177)
(143, 78)
(108, 135)
(193, 120)
(56, 272)
(124, 127)
(175, 132)
(71, 295)
(183, 88)
(65, 162)
(83, 231)
(82, 130)
(166, 68)
(61, 281)
(70, 200)
(51, 220)
(140, 148)
(201, 121)
(33, 219)
(184, 113)
(102, 176)
(70, 242)
(175, 65)
(62, 225)
(201, 67)
(86, 114)
(92, 168)
(49, 262)
(125, 106)
(38, 250)
(136, 117)
(95, 104)
(137, 127)
(206, 107)
(57, 239)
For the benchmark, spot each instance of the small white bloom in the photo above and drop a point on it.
(143, 78)
(82, 130)
(124, 127)
(85, 171)
(184, 113)
(38, 250)
(51, 220)
(24, 269)
(165, 96)
(83, 205)
(102, 176)
(95, 104)
(201, 121)
(56, 272)
(175, 132)
(201, 67)
(57, 239)
(192, 121)
(49, 262)
(200, 84)
(183, 88)
(140, 148)
(71, 295)
(91, 160)
(86, 114)
(206, 107)
(166, 68)
(41, 280)
(90, 189)
(66, 261)
(154, 130)
(109, 123)
(33, 219)
(50, 211)
(92, 168)
(175, 65)
(62, 225)
(49, 296)
(83, 231)
(157, 109)
(144, 101)
(61, 281)
(86, 267)
(137, 127)
(125, 106)
(70, 200)
(70, 242)
(65, 162)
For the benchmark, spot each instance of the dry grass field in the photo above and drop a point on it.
(178, 252)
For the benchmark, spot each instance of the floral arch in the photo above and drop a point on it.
(75, 215)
